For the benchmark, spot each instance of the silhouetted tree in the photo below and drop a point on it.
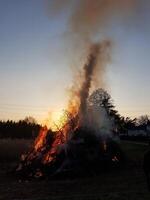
(101, 98)
(143, 120)
(27, 128)
(30, 120)
(129, 123)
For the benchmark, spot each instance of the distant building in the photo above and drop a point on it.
(143, 130)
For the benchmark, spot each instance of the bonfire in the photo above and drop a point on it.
(83, 144)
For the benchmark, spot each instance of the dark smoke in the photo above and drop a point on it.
(94, 61)
(85, 19)
(88, 72)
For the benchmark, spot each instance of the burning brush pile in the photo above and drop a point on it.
(84, 143)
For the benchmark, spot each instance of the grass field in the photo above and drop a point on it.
(134, 150)
(11, 149)
(124, 184)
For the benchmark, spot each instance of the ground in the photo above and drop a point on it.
(124, 184)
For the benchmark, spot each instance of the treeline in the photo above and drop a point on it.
(22, 129)
(123, 126)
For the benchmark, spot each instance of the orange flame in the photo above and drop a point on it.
(40, 139)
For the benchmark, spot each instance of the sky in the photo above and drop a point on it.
(35, 61)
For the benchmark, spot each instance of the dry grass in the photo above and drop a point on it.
(125, 184)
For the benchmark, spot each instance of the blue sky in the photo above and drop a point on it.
(35, 60)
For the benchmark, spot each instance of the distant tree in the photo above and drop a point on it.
(101, 98)
(21, 129)
(143, 120)
(129, 123)
(30, 120)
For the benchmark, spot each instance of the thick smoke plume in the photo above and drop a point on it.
(86, 19)
(98, 55)
(89, 70)
(87, 22)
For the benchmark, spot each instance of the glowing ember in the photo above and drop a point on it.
(115, 159)
(105, 146)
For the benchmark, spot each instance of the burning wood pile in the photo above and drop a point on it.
(84, 143)
(85, 153)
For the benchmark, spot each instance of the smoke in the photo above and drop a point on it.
(87, 17)
(89, 72)
(86, 20)
(100, 121)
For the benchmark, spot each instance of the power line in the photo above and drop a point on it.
(23, 105)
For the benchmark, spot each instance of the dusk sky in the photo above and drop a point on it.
(35, 60)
